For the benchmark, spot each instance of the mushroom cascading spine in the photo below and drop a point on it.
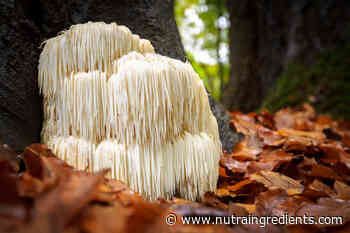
(111, 102)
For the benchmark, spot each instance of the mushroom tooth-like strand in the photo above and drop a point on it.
(187, 165)
(109, 154)
(83, 48)
(83, 151)
(157, 106)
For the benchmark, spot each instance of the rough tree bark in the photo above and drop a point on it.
(266, 35)
(27, 23)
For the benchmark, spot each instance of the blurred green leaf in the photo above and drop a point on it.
(210, 37)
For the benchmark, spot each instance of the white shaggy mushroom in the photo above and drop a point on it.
(111, 102)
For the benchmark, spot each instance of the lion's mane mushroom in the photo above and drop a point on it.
(111, 102)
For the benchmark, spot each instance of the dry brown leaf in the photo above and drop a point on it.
(239, 185)
(266, 119)
(299, 133)
(255, 167)
(300, 144)
(270, 137)
(222, 172)
(233, 165)
(267, 201)
(273, 180)
(321, 187)
(343, 190)
(346, 140)
(249, 207)
(319, 170)
(244, 123)
(275, 155)
(224, 193)
(211, 199)
(247, 149)
(284, 119)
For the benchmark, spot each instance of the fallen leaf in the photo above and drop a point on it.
(298, 133)
(267, 201)
(250, 208)
(239, 185)
(234, 165)
(270, 137)
(244, 123)
(317, 189)
(273, 180)
(319, 170)
(343, 190)
(224, 193)
(247, 149)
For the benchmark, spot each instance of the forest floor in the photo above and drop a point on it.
(288, 164)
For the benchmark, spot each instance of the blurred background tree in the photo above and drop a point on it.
(270, 53)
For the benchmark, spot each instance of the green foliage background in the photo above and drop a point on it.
(213, 36)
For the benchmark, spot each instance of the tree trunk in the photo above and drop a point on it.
(28, 22)
(265, 36)
(243, 90)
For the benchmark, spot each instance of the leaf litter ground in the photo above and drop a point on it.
(293, 162)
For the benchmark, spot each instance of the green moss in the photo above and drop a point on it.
(326, 84)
